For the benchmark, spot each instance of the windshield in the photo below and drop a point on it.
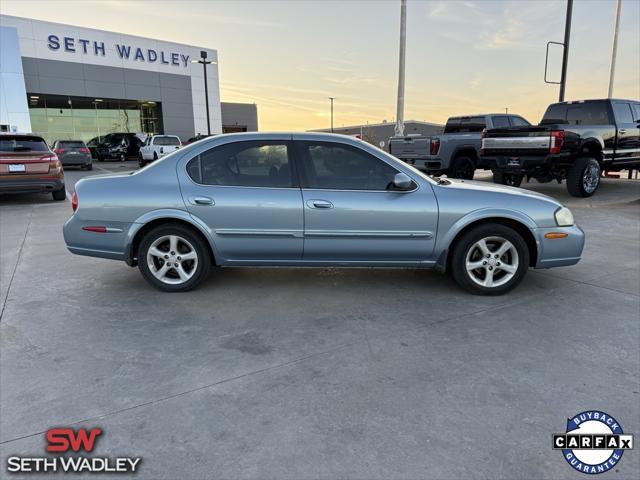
(16, 143)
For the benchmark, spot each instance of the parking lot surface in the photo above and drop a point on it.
(319, 373)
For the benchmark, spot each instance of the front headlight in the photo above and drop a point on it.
(564, 217)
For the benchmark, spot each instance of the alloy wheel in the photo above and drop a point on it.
(591, 178)
(492, 262)
(172, 259)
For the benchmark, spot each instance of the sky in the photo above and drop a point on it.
(463, 56)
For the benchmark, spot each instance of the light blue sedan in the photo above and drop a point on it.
(307, 199)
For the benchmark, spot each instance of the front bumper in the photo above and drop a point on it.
(35, 185)
(559, 252)
(110, 153)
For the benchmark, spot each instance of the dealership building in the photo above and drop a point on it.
(64, 81)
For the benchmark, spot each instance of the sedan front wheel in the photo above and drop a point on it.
(173, 258)
(490, 259)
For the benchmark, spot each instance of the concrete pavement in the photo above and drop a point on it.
(320, 373)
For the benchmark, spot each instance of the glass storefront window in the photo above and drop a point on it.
(58, 117)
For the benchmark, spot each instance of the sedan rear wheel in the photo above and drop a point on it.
(490, 260)
(173, 258)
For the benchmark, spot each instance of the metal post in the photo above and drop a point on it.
(332, 99)
(615, 48)
(565, 52)
(203, 54)
(399, 130)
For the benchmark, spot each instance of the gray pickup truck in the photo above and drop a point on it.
(455, 152)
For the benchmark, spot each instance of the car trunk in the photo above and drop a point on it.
(21, 163)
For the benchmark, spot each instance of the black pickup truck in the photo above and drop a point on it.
(575, 141)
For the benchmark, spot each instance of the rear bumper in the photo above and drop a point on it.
(524, 163)
(93, 244)
(71, 161)
(559, 252)
(36, 185)
(424, 164)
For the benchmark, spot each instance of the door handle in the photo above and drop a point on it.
(201, 201)
(319, 204)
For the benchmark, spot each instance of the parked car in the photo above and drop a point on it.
(455, 152)
(118, 146)
(157, 147)
(92, 145)
(306, 199)
(196, 138)
(575, 141)
(73, 153)
(28, 166)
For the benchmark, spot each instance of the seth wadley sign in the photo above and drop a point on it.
(125, 52)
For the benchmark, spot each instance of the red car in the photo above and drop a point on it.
(27, 165)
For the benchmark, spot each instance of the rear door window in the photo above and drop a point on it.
(465, 125)
(20, 143)
(622, 112)
(501, 121)
(589, 113)
(244, 164)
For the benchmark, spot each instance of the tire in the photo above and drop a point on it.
(155, 156)
(462, 167)
(468, 252)
(510, 179)
(89, 167)
(100, 159)
(59, 195)
(187, 241)
(583, 178)
(140, 160)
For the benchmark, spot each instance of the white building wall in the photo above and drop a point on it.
(14, 110)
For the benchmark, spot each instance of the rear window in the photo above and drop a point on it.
(22, 143)
(500, 122)
(71, 144)
(166, 141)
(465, 125)
(588, 113)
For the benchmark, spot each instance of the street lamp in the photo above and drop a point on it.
(332, 99)
(203, 60)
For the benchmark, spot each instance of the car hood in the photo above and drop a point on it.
(470, 185)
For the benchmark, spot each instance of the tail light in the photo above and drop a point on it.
(74, 201)
(434, 146)
(54, 164)
(483, 135)
(557, 139)
(85, 150)
(59, 151)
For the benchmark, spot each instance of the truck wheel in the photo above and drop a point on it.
(155, 156)
(583, 178)
(462, 167)
(490, 259)
(511, 179)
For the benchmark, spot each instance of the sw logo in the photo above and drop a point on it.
(593, 442)
(67, 440)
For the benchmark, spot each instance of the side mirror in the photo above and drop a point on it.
(402, 181)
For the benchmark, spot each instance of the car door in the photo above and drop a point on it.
(247, 194)
(350, 213)
(628, 134)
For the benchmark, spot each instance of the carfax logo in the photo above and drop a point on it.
(593, 442)
(69, 441)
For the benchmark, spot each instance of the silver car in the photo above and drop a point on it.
(310, 199)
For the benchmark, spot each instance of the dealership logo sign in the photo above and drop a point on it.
(124, 51)
(69, 441)
(593, 442)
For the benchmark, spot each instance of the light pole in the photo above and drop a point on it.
(332, 99)
(399, 130)
(615, 48)
(565, 52)
(203, 60)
